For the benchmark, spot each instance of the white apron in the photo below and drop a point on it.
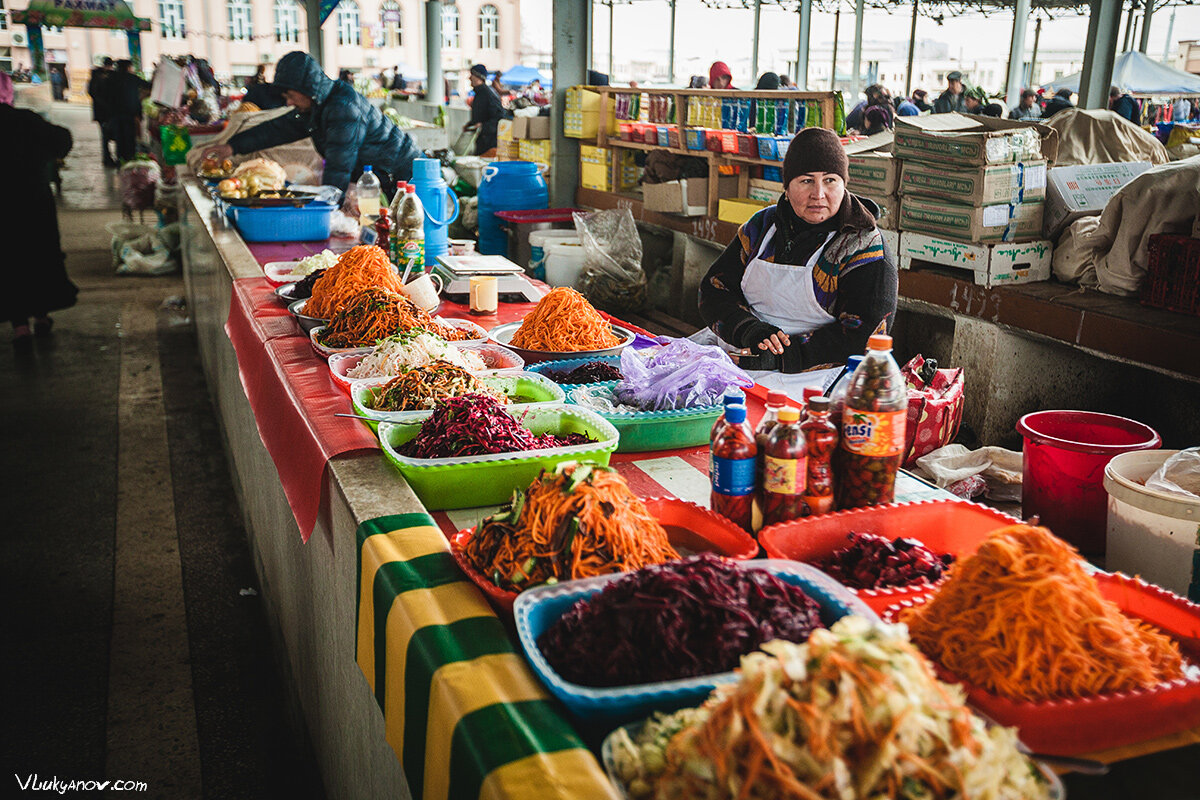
(782, 295)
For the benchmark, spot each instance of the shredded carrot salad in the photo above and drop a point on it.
(1023, 619)
(362, 267)
(577, 522)
(375, 314)
(564, 321)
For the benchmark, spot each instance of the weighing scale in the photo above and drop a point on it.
(457, 271)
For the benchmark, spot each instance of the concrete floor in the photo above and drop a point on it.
(137, 646)
(136, 643)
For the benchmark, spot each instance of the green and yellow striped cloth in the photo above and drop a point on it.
(463, 712)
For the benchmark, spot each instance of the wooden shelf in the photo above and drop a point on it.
(643, 146)
(761, 162)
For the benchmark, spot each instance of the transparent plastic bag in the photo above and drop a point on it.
(122, 234)
(146, 255)
(678, 374)
(612, 278)
(1179, 474)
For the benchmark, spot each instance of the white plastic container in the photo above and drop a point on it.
(539, 241)
(564, 263)
(1151, 534)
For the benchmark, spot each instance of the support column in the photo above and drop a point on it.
(1099, 53)
(803, 37)
(571, 22)
(1016, 54)
(435, 85)
(1144, 42)
(912, 47)
(754, 43)
(856, 61)
(1167, 44)
(611, 10)
(1037, 38)
(312, 19)
(671, 48)
(837, 23)
(1129, 27)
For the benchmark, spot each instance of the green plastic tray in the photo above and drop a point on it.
(534, 389)
(448, 483)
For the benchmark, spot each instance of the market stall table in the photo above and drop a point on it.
(378, 596)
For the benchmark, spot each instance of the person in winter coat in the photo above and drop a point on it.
(954, 98)
(346, 129)
(920, 100)
(1124, 105)
(486, 111)
(1029, 109)
(1060, 102)
(100, 111)
(123, 94)
(719, 76)
(36, 283)
(807, 280)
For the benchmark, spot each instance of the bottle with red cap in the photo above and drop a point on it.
(872, 425)
(733, 459)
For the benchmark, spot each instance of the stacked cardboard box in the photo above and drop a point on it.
(875, 174)
(530, 127)
(607, 169)
(535, 150)
(581, 116)
(972, 195)
(688, 196)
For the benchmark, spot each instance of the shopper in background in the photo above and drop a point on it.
(954, 98)
(698, 82)
(906, 108)
(398, 82)
(1028, 110)
(719, 76)
(1060, 102)
(877, 94)
(768, 81)
(36, 283)
(123, 92)
(101, 114)
(486, 111)
(974, 100)
(920, 99)
(58, 82)
(785, 82)
(806, 281)
(1124, 105)
(346, 75)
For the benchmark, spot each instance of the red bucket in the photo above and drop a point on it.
(1065, 456)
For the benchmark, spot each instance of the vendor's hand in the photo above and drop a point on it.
(218, 151)
(775, 343)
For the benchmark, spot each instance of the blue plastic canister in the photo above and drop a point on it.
(440, 204)
(507, 186)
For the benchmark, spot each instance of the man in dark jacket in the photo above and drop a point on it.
(1124, 105)
(123, 93)
(100, 111)
(345, 128)
(1060, 102)
(486, 111)
(954, 98)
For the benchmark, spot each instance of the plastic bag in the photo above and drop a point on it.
(679, 374)
(176, 141)
(123, 233)
(1179, 474)
(612, 278)
(146, 255)
(954, 463)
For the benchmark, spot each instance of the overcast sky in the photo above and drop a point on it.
(711, 34)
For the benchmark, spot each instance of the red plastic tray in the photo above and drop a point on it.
(1076, 727)
(957, 527)
(690, 529)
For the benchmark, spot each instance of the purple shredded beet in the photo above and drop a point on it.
(591, 372)
(476, 425)
(680, 619)
(871, 561)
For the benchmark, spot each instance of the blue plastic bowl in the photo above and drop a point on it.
(568, 364)
(537, 609)
(309, 223)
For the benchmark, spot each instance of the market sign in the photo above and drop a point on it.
(113, 14)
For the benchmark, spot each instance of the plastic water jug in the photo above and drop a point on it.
(507, 185)
(434, 194)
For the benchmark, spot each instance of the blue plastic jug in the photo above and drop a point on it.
(507, 186)
(433, 194)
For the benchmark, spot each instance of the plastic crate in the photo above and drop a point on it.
(1173, 274)
(308, 223)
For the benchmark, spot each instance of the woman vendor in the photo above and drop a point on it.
(807, 281)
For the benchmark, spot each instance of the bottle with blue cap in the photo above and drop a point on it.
(733, 456)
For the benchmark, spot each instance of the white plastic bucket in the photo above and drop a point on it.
(564, 263)
(1151, 534)
(538, 241)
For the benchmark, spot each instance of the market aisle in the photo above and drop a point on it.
(132, 652)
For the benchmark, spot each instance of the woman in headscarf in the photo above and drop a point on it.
(807, 280)
(36, 282)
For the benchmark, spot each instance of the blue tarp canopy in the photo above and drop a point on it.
(1137, 73)
(522, 76)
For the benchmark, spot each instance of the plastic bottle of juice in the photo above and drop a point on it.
(732, 472)
(821, 439)
(383, 231)
(409, 224)
(806, 394)
(394, 211)
(776, 402)
(873, 422)
(785, 470)
(733, 396)
(368, 195)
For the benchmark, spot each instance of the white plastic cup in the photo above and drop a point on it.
(422, 292)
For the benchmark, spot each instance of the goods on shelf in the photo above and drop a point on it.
(688, 196)
(764, 191)
(990, 264)
(1083, 190)
(739, 209)
(607, 169)
(581, 116)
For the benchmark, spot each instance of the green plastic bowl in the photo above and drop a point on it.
(470, 481)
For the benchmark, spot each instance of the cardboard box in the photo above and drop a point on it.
(504, 130)
(508, 150)
(972, 141)
(580, 98)
(599, 167)
(990, 264)
(1021, 222)
(765, 191)
(889, 210)
(1084, 190)
(976, 186)
(586, 124)
(688, 197)
(879, 142)
(539, 127)
(891, 242)
(875, 174)
(738, 209)
(520, 127)
(536, 150)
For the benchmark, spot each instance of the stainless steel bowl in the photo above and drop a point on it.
(306, 322)
(502, 334)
